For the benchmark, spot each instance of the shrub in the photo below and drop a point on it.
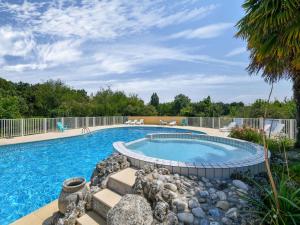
(252, 135)
(247, 134)
(289, 202)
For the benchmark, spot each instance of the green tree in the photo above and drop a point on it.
(154, 101)
(272, 31)
(180, 101)
(9, 107)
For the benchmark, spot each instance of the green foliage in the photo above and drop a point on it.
(9, 107)
(55, 99)
(181, 101)
(289, 201)
(154, 101)
(252, 135)
(247, 134)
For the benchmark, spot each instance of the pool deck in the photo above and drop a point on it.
(77, 132)
(42, 215)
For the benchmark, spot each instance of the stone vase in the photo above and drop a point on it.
(74, 190)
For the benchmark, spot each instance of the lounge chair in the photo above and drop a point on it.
(238, 122)
(267, 128)
(277, 131)
(140, 122)
(229, 127)
(163, 122)
(172, 123)
(128, 122)
(133, 122)
(61, 127)
(184, 122)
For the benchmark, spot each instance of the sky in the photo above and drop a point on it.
(138, 46)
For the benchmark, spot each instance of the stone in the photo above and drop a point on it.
(221, 195)
(214, 212)
(214, 223)
(226, 221)
(232, 213)
(224, 205)
(196, 221)
(172, 219)
(240, 184)
(176, 176)
(203, 194)
(198, 212)
(180, 205)
(201, 200)
(193, 203)
(200, 183)
(204, 222)
(161, 211)
(213, 196)
(130, 210)
(204, 179)
(212, 190)
(170, 186)
(186, 218)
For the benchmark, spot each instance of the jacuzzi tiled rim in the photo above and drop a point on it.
(253, 165)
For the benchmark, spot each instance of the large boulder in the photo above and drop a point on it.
(131, 210)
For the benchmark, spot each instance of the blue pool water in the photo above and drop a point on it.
(31, 174)
(190, 150)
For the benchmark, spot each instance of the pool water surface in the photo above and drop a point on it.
(193, 151)
(31, 174)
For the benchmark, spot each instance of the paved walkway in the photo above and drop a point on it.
(77, 132)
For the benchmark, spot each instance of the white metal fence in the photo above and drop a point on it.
(21, 127)
(290, 125)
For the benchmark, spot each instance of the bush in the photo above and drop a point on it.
(252, 135)
(289, 202)
(247, 134)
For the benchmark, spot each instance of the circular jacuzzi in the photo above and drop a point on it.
(194, 154)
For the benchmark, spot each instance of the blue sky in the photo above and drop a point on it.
(142, 46)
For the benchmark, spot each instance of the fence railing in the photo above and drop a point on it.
(289, 129)
(21, 127)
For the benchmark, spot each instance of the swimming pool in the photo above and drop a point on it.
(193, 151)
(31, 174)
(191, 154)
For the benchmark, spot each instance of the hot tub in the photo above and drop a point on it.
(195, 154)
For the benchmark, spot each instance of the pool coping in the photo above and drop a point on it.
(78, 132)
(253, 165)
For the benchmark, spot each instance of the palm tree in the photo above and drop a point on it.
(272, 31)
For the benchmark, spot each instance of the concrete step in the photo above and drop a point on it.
(104, 200)
(91, 218)
(123, 181)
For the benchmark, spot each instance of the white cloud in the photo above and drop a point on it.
(209, 31)
(236, 51)
(128, 58)
(60, 52)
(15, 42)
(23, 67)
(102, 19)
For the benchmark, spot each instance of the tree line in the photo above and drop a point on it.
(56, 99)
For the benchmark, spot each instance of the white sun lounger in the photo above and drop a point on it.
(163, 122)
(140, 122)
(277, 131)
(133, 122)
(128, 122)
(173, 123)
(228, 128)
